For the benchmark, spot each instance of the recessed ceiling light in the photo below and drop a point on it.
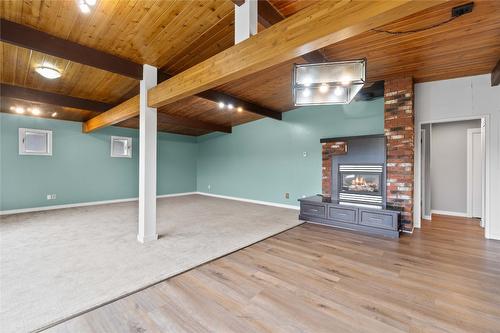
(239, 109)
(47, 71)
(323, 88)
(54, 114)
(36, 111)
(20, 110)
(221, 105)
(12, 108)
(230, 106)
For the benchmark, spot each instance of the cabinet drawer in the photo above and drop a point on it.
(342, 215)
(379, 220)
(313, 210)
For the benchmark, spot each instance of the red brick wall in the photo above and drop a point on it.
(330, 149)
(399, 131)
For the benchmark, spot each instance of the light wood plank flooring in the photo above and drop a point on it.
(443, 278)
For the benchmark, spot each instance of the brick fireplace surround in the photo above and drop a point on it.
(400, 135)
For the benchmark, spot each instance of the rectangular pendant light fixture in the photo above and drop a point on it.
(328, 83)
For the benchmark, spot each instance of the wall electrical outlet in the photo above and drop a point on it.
(51, 196)
(287, 195)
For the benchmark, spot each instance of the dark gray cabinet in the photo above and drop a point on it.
(318, 209)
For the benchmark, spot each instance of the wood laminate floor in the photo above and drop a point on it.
(443, 278)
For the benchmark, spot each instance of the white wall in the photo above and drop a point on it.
(449, 165)
(466, 97)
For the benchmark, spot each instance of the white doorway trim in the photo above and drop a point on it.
(470, 132)
(423, 162)
(417, 213)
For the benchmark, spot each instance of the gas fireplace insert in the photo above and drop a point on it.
(360, 183)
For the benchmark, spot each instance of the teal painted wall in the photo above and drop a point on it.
(261, 160)
(264, 159)
(81, 169)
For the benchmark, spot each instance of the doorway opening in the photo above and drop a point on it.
(451, 165)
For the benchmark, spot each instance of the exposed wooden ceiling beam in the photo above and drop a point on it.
(121, 112)
(217, 96)
(317, 26)
(495, 75)
(36, 40)
(192, 123)
(32, 39)
(130, 109)
(269, 15)
(39, 96)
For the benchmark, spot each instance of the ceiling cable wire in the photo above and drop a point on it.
(392, 32)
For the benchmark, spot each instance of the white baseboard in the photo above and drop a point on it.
(445, 212)
(175, 195)
(493, 236)
(427, 217)
(259, 202)
(83, 204)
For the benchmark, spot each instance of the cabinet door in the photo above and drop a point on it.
(342, 214)
(378, 220)
(313, 210)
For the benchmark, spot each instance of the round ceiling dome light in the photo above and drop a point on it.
(48, 72)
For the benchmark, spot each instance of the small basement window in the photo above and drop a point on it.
(35, 142)
(121, 146)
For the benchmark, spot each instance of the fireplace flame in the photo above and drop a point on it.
(359, 181)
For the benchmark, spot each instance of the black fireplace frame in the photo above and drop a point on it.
(362, 150)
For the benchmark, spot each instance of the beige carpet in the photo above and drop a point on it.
(55, 264)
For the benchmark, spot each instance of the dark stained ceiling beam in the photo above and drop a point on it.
(238, 2)
(495, 75)
(23, 36)
(217, 96)
(192, 123)
(27, 37)
(269, 15)
(39, 96)
(9, 91)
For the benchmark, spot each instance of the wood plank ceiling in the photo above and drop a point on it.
(175, 35)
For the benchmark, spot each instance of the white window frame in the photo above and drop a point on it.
(129, 146)
(22, 138)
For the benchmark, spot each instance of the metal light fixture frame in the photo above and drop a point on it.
(359, 82)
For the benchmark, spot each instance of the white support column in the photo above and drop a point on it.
(245, 18)
(147, 159)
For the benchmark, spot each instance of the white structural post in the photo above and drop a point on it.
(245, 18)
(147, 159)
